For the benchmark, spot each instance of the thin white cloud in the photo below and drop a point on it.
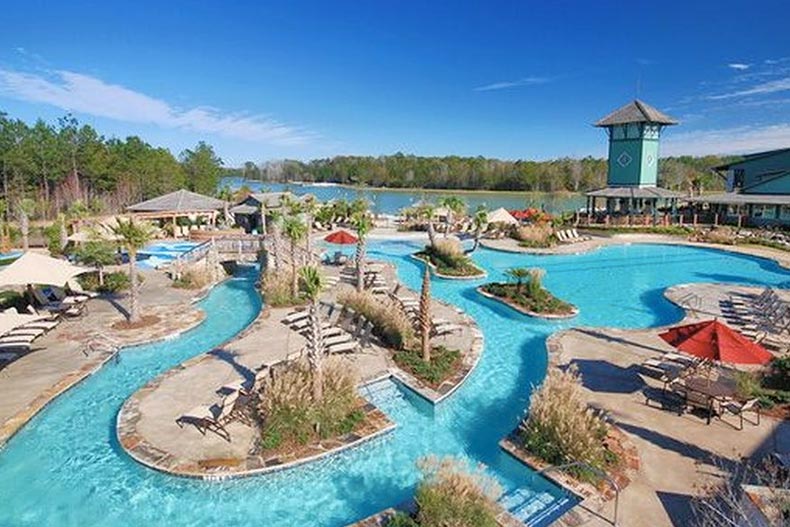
(738, 66)
(76, 92)
(738, 140)
(773, 86)
(526, 81)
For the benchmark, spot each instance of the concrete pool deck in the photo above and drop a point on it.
(58, 361)
(677, 452)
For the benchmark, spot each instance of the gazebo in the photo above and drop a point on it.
(632, 178)
(179, 204)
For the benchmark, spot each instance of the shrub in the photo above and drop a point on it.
(291, 416)
(401, 519)
(529, 293)
(449, 258)
(561, 428)
(9, 299)
(442, 364)
(722, 234)
(452, 495)
(537, 235)
(114, 282)
(449, 248)
(193, 279)
(389, 321)
(276, 289)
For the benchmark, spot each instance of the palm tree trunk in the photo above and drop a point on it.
(24, 226)
(294, 278)
(431, 233)
(134, 315)
(425, 315)
(315, 351)
(360, 257)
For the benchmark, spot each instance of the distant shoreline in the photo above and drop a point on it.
(561, 193)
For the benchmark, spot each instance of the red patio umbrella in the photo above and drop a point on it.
(341, 237)
(716, 341)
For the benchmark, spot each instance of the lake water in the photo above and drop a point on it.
(392, 201)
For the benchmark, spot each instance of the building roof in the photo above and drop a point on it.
(736, 198)
(273, 200)
(179, 201)
(751, 157)
(635, 193)
(636, 111)
(243, 208)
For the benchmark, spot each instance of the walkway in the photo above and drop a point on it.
(677, 452)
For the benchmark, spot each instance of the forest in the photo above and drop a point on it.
(48, 168)
(45, 168)
(687, 174)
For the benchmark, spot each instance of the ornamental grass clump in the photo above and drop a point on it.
(291, 415)
(536, 235)
(276, 289)
(561, 428)
(449, 258)
(390, 322)
(451, 494)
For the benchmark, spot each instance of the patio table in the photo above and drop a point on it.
(712, 390)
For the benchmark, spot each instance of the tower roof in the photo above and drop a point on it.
(636, 111)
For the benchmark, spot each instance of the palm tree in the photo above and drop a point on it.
(425, 315)
(308, 208)
(363, 225)
(455, 207)
(426, 211)
(133, 236)
(312, 284)
(275, 235)
(519, 274)
(295, 230)
(480, 220)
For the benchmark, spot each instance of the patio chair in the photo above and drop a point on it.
(294, 316)
(669, 400)
(738, 409)
(212, 417)
(343, 347)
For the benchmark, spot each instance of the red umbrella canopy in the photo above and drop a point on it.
(713, 340)
(341, 237)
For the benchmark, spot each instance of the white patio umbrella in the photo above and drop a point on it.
(500, 215)
(35, 268)
(10, 320)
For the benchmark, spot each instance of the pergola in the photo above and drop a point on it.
(631, 200)
(179, 204)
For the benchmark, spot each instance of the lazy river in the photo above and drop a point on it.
(66, 468)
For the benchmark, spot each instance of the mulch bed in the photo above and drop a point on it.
(144, 322)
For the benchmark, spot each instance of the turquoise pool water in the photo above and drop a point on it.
(157, 254)
(66, 468)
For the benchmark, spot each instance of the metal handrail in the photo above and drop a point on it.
(598, 471)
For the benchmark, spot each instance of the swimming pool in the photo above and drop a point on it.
(157, 254)
(66, 468)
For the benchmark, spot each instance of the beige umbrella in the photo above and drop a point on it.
(11, 320)
(35, 268)
(500, 215)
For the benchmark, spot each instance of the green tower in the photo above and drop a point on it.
(634, 131)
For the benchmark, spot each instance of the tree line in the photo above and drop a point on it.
(478, 173)
(51, 167)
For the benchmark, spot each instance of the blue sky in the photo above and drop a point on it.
(515, 80)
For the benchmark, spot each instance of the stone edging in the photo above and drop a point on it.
(448, 387)
(525, 311)
(593, 499)
(152, 457)
(436, 272)
(13, 424)
(146, 454)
